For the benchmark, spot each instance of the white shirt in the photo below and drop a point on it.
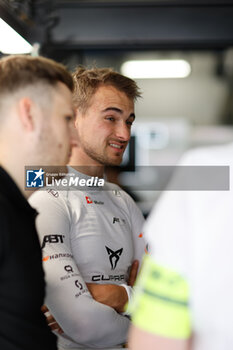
(87, 236)
(192, 232)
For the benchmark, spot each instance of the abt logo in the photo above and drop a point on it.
(52, 239)
(34, 178)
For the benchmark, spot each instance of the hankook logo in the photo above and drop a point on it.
(114, 257)
(62, 256)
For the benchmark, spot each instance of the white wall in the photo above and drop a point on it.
(199, 98)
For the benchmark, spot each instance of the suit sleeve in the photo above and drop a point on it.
(83, 320)
(139, 244)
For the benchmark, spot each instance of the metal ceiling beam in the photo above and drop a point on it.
(122, 3)
(10, 18)
(137, 26)
(20, 22)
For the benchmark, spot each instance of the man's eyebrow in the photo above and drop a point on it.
(118, 110)
(115, 109)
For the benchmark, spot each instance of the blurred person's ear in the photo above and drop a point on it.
(25, 108)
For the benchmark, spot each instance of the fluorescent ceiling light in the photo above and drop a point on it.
(11, 42)
(156, 69)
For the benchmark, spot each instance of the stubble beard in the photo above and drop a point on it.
(100, 158)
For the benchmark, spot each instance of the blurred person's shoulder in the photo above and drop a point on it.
(211, 155)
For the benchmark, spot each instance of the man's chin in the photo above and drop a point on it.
(114, 162)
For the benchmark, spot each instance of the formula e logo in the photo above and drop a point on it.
(114, 257)
(52, 239)
(34, 178)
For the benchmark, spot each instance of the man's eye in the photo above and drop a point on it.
(69, 118)
(111, 119)
(129, 123)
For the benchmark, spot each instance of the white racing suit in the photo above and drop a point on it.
(87, 236)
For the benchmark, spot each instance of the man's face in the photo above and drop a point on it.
(104, 129)
(57, 128)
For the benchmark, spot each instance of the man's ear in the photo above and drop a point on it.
(78, 115)
(26, 108)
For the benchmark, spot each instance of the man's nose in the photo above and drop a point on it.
(123, 131)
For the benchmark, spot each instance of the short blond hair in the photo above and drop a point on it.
(87, 81)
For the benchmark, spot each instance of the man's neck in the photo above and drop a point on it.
(84, 164)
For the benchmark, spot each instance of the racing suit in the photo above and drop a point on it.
(93, 236)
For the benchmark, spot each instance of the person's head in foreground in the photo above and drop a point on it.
(36, 113)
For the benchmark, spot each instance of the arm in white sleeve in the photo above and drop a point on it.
(139, 244)
(84, 320)
(160, 307)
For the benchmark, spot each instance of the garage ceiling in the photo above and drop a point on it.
(79, 25)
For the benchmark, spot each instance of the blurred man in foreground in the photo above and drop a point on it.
(91, 236)
(185, 287)
(35, 115)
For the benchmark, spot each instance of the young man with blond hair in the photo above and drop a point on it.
(35, 116)
(88, 270)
